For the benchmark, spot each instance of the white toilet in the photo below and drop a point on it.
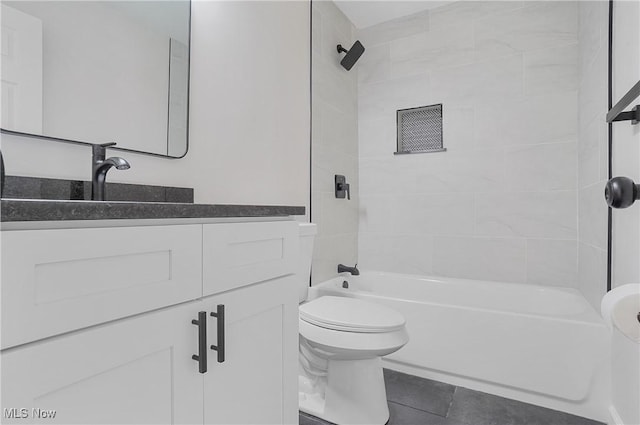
(341, 343)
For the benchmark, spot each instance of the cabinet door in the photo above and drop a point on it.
(59, 280)
(258, 381)
(240, 254)
(133, 371)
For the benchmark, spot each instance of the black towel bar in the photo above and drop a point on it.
(617, 112)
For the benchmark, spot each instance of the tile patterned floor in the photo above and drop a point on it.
(418, 401)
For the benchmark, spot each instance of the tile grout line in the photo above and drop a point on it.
(418, 409)
(453, 396)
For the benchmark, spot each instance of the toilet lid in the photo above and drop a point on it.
(350, 314)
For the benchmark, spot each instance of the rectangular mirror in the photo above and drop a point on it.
(98, 71)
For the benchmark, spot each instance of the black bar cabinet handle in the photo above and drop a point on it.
(201, 357)
(219, 314)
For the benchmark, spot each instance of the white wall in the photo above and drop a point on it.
(501, 203)
(334, 142)
(249, 106)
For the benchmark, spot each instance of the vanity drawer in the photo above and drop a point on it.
(54, 281)
(239, 254)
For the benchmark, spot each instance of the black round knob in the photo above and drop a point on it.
(621, 192)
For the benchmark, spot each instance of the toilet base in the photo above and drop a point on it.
(352, 392)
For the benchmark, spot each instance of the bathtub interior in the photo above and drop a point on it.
(546, 346)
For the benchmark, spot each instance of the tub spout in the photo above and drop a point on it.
(353, 270)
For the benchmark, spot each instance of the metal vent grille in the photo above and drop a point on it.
(420, 129)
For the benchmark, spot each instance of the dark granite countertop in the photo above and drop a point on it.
(20, 210)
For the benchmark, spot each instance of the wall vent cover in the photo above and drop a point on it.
(420, 129)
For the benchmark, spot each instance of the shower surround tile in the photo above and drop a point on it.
(502, 198)
(592, 151)
(334, 147)
(538, 25)
(592, 142)
(551, 70)
(541, 167)
(426, 51)
(377, 137)
(423, 214)
(496, 79)
(527, 214)
(550, 118)
(396, 28)
(497, 259)
(552, 262)
(592, 216)
(467, 12)
(466, 171)
(331, 250)
(592, 26)
(396, 253)
(457, 127)
(375, 65)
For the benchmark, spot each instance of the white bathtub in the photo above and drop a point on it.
(541, 345)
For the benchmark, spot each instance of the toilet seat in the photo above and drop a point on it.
(350, 315)
(349, 328)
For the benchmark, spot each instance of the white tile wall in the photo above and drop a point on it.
(551, 70)
(334, 141)
(550, 214)
(501, 259)
(592, 153)
(469, 12)
(517, 196)
(537, 25)
(501, 203)
(551, 261)
(541, 167)
(396, 28)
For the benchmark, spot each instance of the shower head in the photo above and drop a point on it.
(352, 55)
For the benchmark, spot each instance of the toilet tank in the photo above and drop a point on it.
(307, 232)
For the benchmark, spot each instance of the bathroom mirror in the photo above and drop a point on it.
(97, 72)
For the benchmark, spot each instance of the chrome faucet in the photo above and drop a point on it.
(353, 270)
(100, 168)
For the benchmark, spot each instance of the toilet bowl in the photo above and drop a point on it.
(342, 341)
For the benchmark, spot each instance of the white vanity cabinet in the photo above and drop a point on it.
(140, 369)
(133, 371)
(58, 280)
(258, 381)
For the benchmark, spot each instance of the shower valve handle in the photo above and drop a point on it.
(342, 188)
(345, 188)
